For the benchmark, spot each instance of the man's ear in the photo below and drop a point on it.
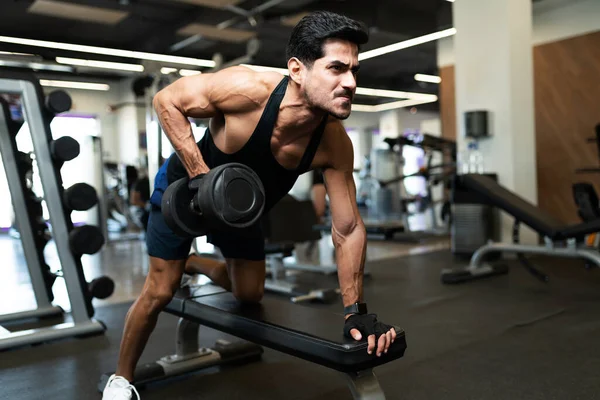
(296, 70)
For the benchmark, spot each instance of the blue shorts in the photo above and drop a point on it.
(162, 242)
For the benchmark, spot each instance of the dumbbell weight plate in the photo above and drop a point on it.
(177, 211)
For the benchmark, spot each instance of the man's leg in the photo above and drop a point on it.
(247, 279)
(216, 270)
(244, 278)
(161, 283)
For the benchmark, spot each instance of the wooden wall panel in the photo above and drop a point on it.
(448, 102)
(567, 108)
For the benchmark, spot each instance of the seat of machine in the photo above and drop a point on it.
(513, 204)
(524, 211)
(310, 334)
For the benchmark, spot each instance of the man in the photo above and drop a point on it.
(318, 194)
(280, 127)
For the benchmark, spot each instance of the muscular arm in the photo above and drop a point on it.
(232, 90)
(348, 231)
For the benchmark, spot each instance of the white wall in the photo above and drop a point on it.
(561, 19)
(553, 20)
(97, 103)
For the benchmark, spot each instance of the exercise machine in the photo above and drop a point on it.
(71, 242)
(291, 221)
(275, 324)
(560, 239)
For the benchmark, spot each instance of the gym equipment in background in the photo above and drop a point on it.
(274, 323)
(560, 239)
(71, 242)
(474, 223)
(291, 221)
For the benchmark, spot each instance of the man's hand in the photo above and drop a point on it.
(377, 332)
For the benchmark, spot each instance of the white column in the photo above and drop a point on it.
(127, 125)
(494, 72)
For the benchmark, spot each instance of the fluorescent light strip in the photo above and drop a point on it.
(406, 43)
(394, 94)
(36, 66)
(75, 85)
(427, 78)
(391, 106)
(10, 53)
(110, 52)
(167, 70)
(100, 64)
(188, 72)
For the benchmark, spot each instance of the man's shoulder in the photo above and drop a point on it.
(249, 86)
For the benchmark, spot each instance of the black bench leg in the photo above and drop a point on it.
(364, 385)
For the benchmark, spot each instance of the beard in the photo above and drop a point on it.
(315, 103)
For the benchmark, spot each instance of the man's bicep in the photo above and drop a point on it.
(206, 95)
(190, 95)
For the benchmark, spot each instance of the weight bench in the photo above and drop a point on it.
(277, 283)
(561, 240)
(275, 324)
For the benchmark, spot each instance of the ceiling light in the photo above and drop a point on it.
(36, 66)
(100, 64)
(393, 105)
(167, 70)
(75, 85)
(10, 53)
(260, 68)
(188, 72)
(406, 43)
(394, 94)
(427, 78)
(451, 1)
(110, 52)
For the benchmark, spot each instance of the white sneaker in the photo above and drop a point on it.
(119, 388)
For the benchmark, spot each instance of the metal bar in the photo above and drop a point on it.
(52, 195)
(31, 336)
(187, 337)
(32, 257)
(587, 253)
(364, 385)
(40, 312)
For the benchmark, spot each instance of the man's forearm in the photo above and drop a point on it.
(350, 257)
(179, 132)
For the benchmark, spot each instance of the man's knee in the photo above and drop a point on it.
(158, 296)
(249, 294)
(247, 279)
(162, 282)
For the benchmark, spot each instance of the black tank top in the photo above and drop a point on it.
(256, 153)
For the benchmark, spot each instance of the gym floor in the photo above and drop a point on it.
(508, 337)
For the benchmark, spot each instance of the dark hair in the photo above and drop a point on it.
(306, 41)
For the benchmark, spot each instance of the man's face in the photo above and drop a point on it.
(331, 82)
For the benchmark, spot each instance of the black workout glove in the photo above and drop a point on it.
(367, 325)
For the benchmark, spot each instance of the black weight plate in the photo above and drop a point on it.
(176, 210)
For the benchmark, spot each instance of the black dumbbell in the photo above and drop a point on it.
(86, 239)
(64, 148)
(101, 287)
(80, 197)
(58, 102)
(229, 197)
